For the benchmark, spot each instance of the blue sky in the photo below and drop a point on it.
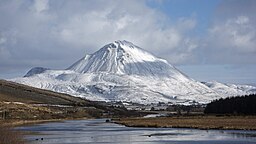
(185, 8)
(222, 73)
(206, 39)
(203, 10)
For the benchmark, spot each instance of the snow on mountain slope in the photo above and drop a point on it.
(123, 57)
(35, 70)
(121, 71)
(227, 90)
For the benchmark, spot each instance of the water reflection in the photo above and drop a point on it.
(243, 134)
(98, 131)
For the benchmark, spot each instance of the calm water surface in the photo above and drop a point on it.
(99, 132)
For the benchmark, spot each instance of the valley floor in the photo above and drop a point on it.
(198, 122)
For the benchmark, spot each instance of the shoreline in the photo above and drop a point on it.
(192, 122)
(17, 123)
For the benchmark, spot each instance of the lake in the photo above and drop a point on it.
(99, 132)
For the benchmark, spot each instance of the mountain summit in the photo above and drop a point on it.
(123, 57)
(122, 71)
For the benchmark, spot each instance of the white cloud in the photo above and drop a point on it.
(40, 5)
(55, 33)
(231, 38)
(4, 53)
(2, 40)
(141, 25)
(242, 20)
(237, 33)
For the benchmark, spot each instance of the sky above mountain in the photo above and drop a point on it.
(207, 40)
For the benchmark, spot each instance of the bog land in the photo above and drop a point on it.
(198, 122)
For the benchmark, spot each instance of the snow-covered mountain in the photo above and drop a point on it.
(226, 90)
(121, 71)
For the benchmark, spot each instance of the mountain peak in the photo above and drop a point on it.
(121, 44)
(123, 57)
(125, 42)
(128, 51)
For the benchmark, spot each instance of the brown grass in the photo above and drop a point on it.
(26, 112)
(10, 136)
(199, 122)
(14, 92)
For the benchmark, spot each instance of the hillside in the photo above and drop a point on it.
(21, 102)
(14, 92)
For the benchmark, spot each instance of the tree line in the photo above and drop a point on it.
(233, 105)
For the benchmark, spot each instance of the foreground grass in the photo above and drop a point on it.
(198, 122)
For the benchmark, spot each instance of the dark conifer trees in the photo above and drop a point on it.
(233, 105)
